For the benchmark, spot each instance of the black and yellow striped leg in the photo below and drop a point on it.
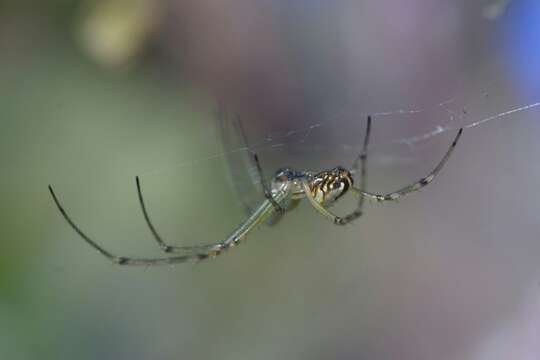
(395, 195)
(361, 158)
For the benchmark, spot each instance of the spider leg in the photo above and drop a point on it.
(162, 244)
(240, 128)
(324, 211)
(120, 260)
(267, 193)
(276, 217)
(258, 216)
(254, 158)
(226, 122)
(361, 158)
(395, 195)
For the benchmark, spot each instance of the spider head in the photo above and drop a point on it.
(328, 186)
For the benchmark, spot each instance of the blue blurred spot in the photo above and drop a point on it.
(522, 43)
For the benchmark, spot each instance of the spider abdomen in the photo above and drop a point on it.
(328, 186)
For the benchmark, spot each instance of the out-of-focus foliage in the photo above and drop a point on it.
(113, 32)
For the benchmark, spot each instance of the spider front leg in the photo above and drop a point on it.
(362, 158)
(395, 195)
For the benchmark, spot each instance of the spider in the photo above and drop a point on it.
(288, 187)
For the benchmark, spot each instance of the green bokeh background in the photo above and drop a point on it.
(450, 273)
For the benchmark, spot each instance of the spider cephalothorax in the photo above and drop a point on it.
(328, 186)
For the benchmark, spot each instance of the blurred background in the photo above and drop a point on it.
(93, 93)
